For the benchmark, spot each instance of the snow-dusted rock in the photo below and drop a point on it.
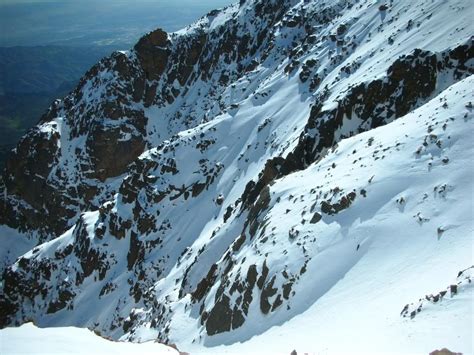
(296, 168)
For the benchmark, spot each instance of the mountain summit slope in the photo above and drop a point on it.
(298, 168)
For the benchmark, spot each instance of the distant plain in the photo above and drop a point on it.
(47, 45)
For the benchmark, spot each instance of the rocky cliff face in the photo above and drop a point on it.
(151, 189)
(105, 120)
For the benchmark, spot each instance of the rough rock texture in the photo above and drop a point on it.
(153, 53)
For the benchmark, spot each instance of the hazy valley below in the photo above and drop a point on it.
(46, 46)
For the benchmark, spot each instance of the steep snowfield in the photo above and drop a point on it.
(29, 339)
(297, 196)
(13, 245)
(350, 297)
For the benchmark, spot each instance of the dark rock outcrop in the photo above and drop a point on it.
(112, 149)
(153, 53)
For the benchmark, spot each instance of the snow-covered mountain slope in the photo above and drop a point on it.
(406, 235)
(278, 167)
(29, 339)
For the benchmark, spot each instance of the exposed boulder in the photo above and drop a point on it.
(220, 317)
(112, 149)
(444, 351)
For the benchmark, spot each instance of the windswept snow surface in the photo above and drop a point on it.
(12, 245)
(376, 256)
(28, 339)
(335, 281)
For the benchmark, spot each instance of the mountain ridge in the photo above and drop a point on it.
(160, 183)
